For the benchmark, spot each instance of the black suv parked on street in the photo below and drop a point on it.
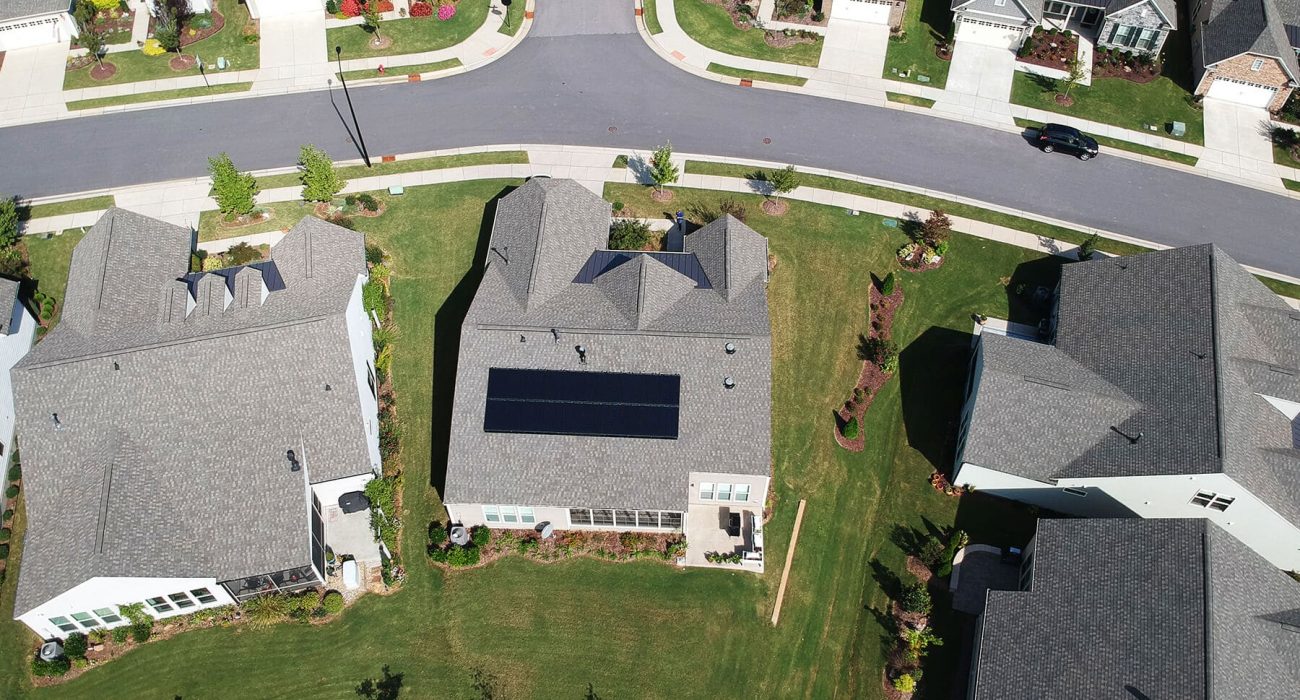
(1058, 137)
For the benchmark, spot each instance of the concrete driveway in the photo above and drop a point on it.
(856, 48)
(982, 71)
(1236, 139)
(31, 82)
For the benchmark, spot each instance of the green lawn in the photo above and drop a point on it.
(134, 66)
(909, 99)
(642, 629)
(1123, 145)
(390, 71)
(159, 95)
(283, 214)
(411, 35)
(514, 17)
(48, 260)
(924, 22)
(651, 17)
(409, 165)
(755, 75)
(711, 25)
(1284, 156)
(1117, 102)
(1292, 185)
(27, 212)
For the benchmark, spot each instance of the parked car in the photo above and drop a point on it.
(1058, 137)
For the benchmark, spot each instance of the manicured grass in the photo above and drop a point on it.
(924, 22)
(133, 66)
(411, 35)
(410, 165)
(515, 17)
(1115, 101)
(1284, 156)
(619, 162)
(755, 75)
(1019, 223)
(651, 17)
(909, 99)
(1123, 145)
(711, 25)
(27, 212)
(48, 260)
(390, 71)
(283, 215)
(17, 643)
(1292, 185)
(159, 96)
(640, 629)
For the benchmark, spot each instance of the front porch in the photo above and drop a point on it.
(726, 530)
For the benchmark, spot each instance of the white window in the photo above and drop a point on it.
(1257, 64)
(181, 600)
(670, 520)
(526, 515)
(579, 516)
(107, 615)
(706, 491)
(508, 514)
(63, 623)
(742, 492)
(1209, 499)
(724, 492)
(625, 518)
(999, 3)
(647, 518)
(159, 605)
(203, 595)
(602, 516)
(86, 620)
(491, 514)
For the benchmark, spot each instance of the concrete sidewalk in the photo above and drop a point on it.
(293, 58)
(182, 202)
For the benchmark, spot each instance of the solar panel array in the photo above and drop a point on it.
(600, 404)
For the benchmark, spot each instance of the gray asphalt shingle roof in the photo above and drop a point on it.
(168, 456)
(1177, 346)
(15, 9)
(641, 316)
(1025, 11)
(8, 295)
(1117, 608)
(1235, 27)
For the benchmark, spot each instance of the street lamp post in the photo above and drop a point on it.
(361, 140)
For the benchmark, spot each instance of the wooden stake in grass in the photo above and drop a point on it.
(789, 558)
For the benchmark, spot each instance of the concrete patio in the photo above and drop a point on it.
(350, 534)
(707, 532)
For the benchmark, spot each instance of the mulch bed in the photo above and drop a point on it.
(326, 211)
(739, 19)
(775, 207)
(191, 34)
(870, 377)
(915, 262)
(1050, 50)
(1064, 100)
(1113, 64)
(242, 221)
(890, 691)
(567, 544)
(102, 71)
(806, 18)
(106, 23)
(943, 51)
(664, 195)
(917, 568)
(779, 40)
(182, 62)
(380, 42)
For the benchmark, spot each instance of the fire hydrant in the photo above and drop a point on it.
(381, 69)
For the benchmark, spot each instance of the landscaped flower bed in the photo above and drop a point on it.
(115, 24)
(1050, 48)
(879, 362)
(811, 12)
(1114, 63)
(488, 545)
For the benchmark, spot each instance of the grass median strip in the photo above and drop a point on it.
(390, 71)
(1291, 185)
(1019, 223)
(27, 212)
(651, 17)
(514, 18)
(160, 95)
(1124, 145)
(909, 99)
(755, 75)
(413, 165)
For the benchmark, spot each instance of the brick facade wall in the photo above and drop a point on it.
(1238, 68)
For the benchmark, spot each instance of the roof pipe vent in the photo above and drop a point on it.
(582, 354)
(729, 382)
(293, 461)
(57, 423)
(730, 348)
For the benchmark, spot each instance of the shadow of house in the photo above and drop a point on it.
(1023, 306)
(446, 347)
(932, 377)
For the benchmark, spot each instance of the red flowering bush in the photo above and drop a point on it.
(385, 6)
(350, 8)
(421, 9)
(446, 12)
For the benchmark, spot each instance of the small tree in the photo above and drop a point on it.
(320, 181)
(662, 168)
(167, 28)
(1088, 247)
(888, 285)
(370, 12)
(235, 192)
(629, 234)
(936, 228)
(92, 40)
(916, 599)
(783, 180)
(8, 221)
(1075, 72)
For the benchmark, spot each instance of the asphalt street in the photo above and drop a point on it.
(584, 77)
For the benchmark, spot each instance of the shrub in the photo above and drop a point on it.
(463, 556)
(5, 534)
(936, 228)
(8, 221)
(141, 631)
(8, 514)
(1088, 247)
(332, 6)
(345, 222)
(105, 4)
(242, 254)
(480, 535)
(437, 534)
(120, 634)
(332, 602)
(368, 202)
(268, 609)
(252, 38)
(421, 9)
(850, 430)
(320, 181)
(350, 8)
(11, 490)
(74, 647)
(629, 234)
(905, 683)
(235, 192)
(888, 284)
(942, 249)
(916, 599)
(446, 12)
(374, 298)
(439, 555)
(49, 669)
(374, 254)
(734, 208)
(931, 553)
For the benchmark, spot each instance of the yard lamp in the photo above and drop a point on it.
(361, 140)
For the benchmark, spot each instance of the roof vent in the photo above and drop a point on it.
(293, 461)
(730, 348)
(582, 354)
(729, 382)
(57, 423)
(555, 334)
(1282, 370)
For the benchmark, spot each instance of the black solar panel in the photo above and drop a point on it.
(605, 404)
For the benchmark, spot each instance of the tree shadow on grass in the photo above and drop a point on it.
(932, 375)
(386, 687)
(446, 348)
(1042, 82)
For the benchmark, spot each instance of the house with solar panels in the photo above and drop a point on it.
(187, 436)
(614, 390)
(1170, 388)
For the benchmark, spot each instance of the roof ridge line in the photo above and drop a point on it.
(614, 331)
(1207, 606)
(1218, 359)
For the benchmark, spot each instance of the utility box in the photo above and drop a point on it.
(1178, 129)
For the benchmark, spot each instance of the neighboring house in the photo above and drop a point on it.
(1171, 390)
(1139, 609)
(182, 432)
(263, 9)
(17, 332)
(1245, 52)
(28, 23)
(1140, 26)
(613, 390)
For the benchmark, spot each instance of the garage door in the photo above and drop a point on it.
(988, 33)
(862, 10)
(1241, 93)
(33, 32)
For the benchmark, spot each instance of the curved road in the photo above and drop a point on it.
(583, 76)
